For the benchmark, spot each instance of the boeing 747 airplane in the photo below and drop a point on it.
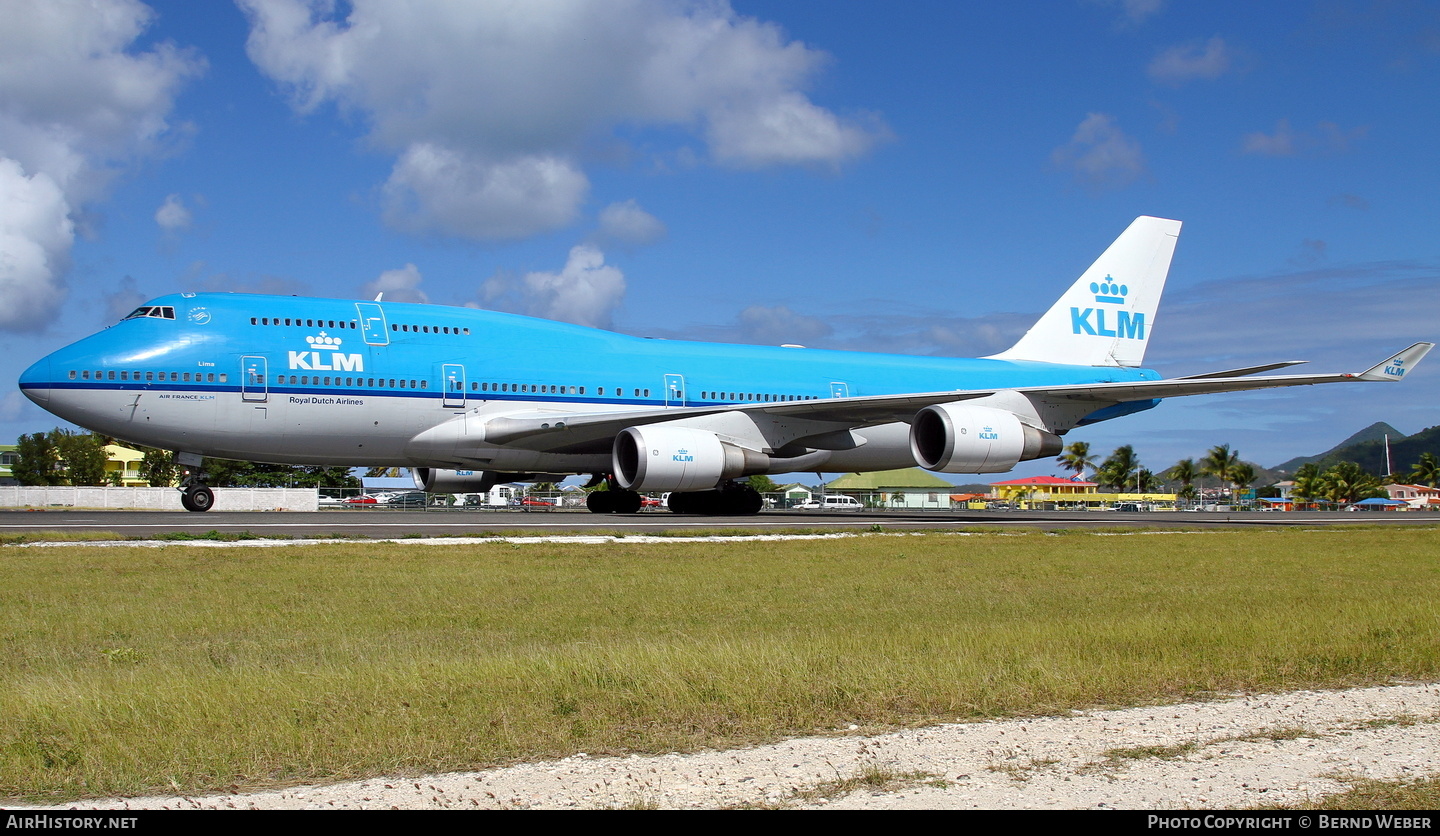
(468, 397)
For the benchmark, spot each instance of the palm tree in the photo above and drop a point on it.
(1077, 458)
(1241, 475)
(1119, 469)
(1308, 483)
(1220, 462)
(1426, 471)
(1347, 483)
(1184, 472)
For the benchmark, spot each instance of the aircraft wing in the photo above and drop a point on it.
(559, 431)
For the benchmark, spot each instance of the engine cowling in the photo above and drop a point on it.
(657, 457)
(959, 438)
(434, 480)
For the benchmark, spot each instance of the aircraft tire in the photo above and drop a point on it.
(197, 498)
(626, 502)
(600, 502)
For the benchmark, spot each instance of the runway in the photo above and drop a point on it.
(444, 523)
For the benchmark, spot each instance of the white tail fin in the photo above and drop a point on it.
(1107, 316)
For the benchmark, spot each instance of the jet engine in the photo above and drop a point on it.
(432, 480)
(657, 457)
(959, 438)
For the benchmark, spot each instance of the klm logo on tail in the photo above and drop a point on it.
(1396, 367)
(1127, 325)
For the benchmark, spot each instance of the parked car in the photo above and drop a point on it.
(832, 503)
(406, 499)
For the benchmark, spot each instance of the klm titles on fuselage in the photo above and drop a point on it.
(1128, 325)
(326, 357)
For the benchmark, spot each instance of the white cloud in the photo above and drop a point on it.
(126, 298)
(490, 106)
(402, 285)
(77, 105)
(1179, 64)
(779, 325)
(12, 405)
(1100, 154)
(1279, 144)
(626, 223)
(443, 190)
(173, 216)
(1327, 138)
(1134, 12)
(586, 291)
(35, 237)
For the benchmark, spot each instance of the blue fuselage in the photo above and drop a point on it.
(328, 381)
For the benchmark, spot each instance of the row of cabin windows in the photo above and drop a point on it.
(304, 323)
(553, 390)
(429, 329)
(638, 393)
(750, 396)
(370, 382)
(341, 323)
(178, 377)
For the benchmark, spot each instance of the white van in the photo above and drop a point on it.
(832, 503)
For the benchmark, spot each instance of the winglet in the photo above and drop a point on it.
(1396, 367)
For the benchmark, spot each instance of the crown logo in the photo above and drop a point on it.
(1109, 291)
(324, 341)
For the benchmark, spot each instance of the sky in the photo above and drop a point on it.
(923, 177)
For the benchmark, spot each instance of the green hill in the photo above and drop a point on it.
(1375, 433)
(1370, 454)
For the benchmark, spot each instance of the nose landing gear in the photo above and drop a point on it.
(195, 495)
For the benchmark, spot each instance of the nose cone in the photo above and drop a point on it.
(35, 382)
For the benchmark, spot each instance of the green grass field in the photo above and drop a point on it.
(135, 670)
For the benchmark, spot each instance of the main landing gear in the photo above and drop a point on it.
(730, 499)
(195, 495)
(613, 500)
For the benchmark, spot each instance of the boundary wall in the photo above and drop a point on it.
(160, 499)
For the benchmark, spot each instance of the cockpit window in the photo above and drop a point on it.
(152, 312)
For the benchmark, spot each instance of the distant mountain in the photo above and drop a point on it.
(1404, 451)
(1376, 432)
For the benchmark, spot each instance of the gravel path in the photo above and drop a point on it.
(1241, 752)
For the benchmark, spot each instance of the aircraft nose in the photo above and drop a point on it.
(35, 382)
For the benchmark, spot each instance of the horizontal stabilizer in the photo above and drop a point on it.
(1248, 370)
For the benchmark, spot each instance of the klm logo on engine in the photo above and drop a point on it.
(325, 356)
(1127, 325)
(989, 434)
(682, 456)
